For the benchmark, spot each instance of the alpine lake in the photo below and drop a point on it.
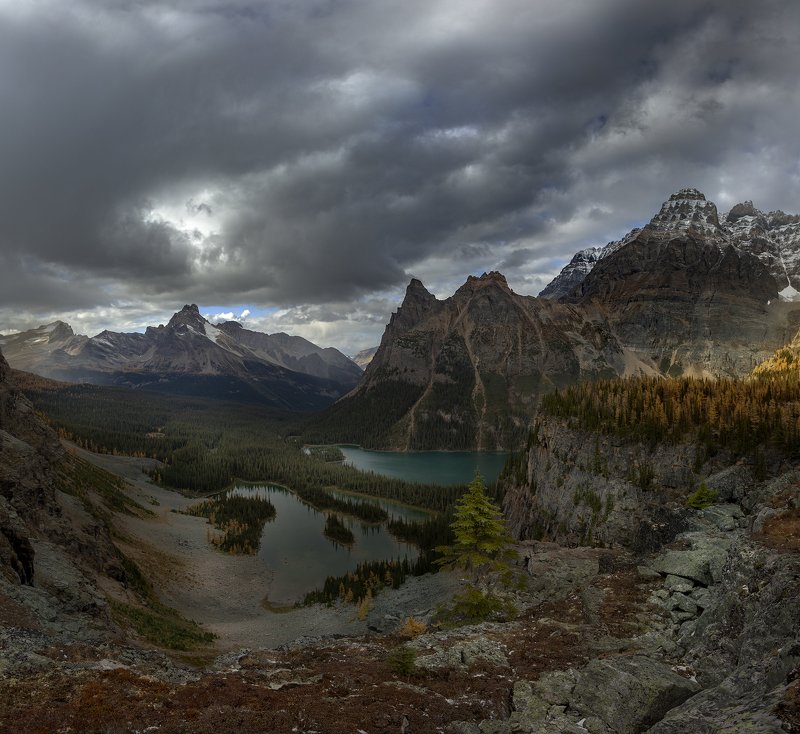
(298, 554)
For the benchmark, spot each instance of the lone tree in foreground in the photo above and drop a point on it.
(481, 547)
(481, 543)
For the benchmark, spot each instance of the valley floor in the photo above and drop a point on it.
(227, 594)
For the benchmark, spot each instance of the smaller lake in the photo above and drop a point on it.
(300, 557)
(428, 467)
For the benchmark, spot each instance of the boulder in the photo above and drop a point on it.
(629, 693)
(724, 517)
(731, 484)
(463, 654)
(703, 563)
(678, 583)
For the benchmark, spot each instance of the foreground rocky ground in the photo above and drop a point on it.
(700, 637)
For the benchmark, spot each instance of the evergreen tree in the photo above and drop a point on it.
(480, 537)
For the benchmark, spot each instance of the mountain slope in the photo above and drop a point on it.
(191, 356)
(364, 357)
(55, 539)
(465, 372)
(674, 297)
(774, 238)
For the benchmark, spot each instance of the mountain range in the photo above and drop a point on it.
(774, 238)
(685, 294)
(189, 355)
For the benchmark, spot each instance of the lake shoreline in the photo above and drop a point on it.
(447, 469)
(228, 594)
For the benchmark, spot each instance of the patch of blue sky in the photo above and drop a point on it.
(237, 312)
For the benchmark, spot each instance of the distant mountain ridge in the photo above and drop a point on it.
(189, 355)
(675, 297)
(364, 357)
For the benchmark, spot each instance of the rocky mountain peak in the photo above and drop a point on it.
(687, 210)
(417, 303)
(416, 290)
(744, 209)
(688, 194)
(780, 219)
(417, 297)
(491, 277)
(189, 315)
(476, 283)
(59, 330)
(573, 272)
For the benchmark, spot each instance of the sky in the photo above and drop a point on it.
(301, 160)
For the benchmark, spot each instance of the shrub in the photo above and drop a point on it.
(364, 606)
(702, 497)
(412, 628)
(402, 660)
(473, 606)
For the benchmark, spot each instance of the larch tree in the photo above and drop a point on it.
(481, 544)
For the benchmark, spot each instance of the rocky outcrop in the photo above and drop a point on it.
(16, 551)
(734, 617)
(727, 578)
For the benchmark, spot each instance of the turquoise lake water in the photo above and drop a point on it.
(431, 467)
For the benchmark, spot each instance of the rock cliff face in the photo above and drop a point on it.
(190, 355)
(774, 238)
(726, 580)
(51, 549)
(579, 488)
(688, 303)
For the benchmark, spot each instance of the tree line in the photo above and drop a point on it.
(733, 414)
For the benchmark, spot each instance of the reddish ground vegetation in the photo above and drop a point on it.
(782, 532)
(13, 614)
(788, 710)
(348, 689)
(335, 687)
(624, 593)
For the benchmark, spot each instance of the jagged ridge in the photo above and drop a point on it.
(674, 297)
(190, 355)
(774, 238)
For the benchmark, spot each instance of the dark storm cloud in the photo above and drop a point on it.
(315, 151)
